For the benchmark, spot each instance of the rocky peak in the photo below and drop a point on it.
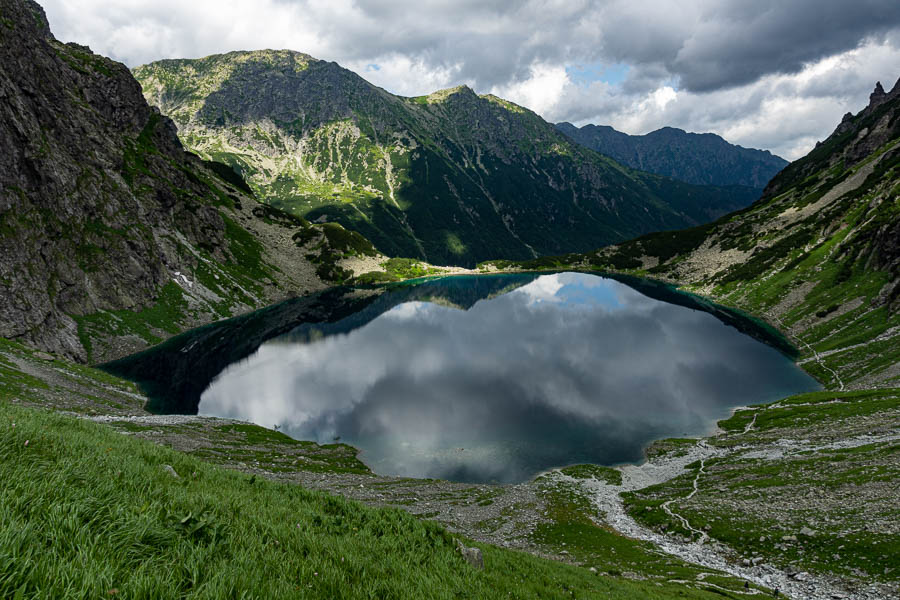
(879, 96)
(852, 141)
(461, 91)
(29, 17)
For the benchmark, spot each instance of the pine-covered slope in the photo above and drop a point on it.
(698, 158)
(818, 255)
(111, 235)
(452, 177)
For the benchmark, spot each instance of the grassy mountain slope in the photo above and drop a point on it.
(806, 484)
(451, 178)
(698, 158)
(113, 237)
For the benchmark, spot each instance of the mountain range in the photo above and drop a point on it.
(452, 177)
(698, 158)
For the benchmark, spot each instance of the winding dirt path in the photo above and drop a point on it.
(816, 355)
(667, 505)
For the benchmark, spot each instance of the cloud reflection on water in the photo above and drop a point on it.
(568, 368)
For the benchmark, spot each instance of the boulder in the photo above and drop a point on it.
(472, 555)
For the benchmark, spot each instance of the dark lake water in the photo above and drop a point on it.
(481, 379)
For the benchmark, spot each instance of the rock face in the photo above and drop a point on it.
(108, 228)
(698, 158)
(451, 178)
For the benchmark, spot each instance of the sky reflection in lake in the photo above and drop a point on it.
(568, 368)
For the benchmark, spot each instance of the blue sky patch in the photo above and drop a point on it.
(589, 73)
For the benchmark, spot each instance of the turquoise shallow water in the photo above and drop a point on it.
(473, 383)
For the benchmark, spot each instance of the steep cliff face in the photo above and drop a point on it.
(698, 158)
(111, 235)
(452, 177)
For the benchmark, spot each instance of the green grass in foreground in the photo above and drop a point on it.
(86, 512)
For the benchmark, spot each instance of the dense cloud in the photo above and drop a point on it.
(710, 53)
(569, 368)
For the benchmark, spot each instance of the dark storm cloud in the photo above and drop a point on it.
(705, 45)
(569, 368)
(734, 43)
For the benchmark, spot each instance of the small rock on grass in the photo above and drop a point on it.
(171, 471)
(472, 555)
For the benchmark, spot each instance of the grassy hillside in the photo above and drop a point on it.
(450, 178)
(806, 484)
(88, 512)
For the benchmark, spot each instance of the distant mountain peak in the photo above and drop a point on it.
(698, 158)
(441, 95)
(676, 130)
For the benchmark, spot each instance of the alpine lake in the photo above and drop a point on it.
(481, 378)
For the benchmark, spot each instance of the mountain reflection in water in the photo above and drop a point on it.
(568, 368)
